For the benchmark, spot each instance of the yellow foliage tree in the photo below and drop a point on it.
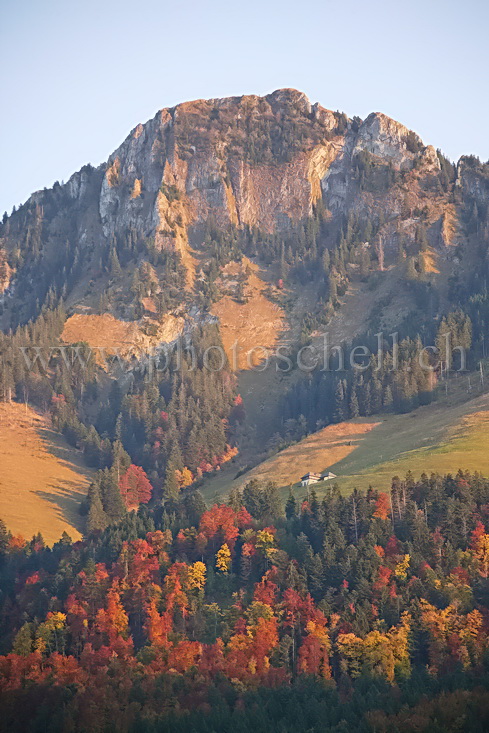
(350, 648)
(265, 541)
(196, 575)
(402, 567)
(48, 633)
(446, 625)
(481, 554)
(377, 654)
(184, 477)
(223, 559)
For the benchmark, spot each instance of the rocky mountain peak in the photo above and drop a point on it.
(264, 163)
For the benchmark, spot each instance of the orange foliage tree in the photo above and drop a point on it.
(382, 507)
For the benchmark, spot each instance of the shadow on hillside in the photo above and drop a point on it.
(317, 453)
(356, 442)
(58, 447)
(335, 467)
(65, 496)
(65, 502)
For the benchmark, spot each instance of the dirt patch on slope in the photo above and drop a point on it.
(100, 330)
(251, 326)
(126, 338)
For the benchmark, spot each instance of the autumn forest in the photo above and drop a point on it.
(342, 612)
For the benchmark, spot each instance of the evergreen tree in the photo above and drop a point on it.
(111, 496)
(411, 271)
(367, 399)
(291, 506)
(333, 289)
(365, 263)
(354, 406)
(171, 488)
(339, 413)
(114, 265)
(24, 641)
(97, 519)
(194, 506)
(388, 400)
(253, 499)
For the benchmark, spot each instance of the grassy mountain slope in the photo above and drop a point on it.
(42, 479)
(449, 434)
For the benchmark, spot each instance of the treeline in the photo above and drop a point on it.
(397, 380)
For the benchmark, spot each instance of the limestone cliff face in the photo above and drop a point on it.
(381, 136)
(261, 162)
(214, 158)
(254, 161)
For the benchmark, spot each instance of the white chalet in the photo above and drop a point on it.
(315, 478)
(310, 478)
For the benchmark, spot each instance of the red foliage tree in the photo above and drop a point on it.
(392, 547)
(478, 532)
(135, 487)
(184, 655)
(222, 520)
(266, 589)
(383, 577)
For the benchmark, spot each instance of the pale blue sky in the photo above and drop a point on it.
(77, 76)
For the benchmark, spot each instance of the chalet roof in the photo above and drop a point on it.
(310, 475)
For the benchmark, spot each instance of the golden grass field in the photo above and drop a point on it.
(42, 479)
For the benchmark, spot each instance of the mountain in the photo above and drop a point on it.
(263, 163)
(262, 221)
